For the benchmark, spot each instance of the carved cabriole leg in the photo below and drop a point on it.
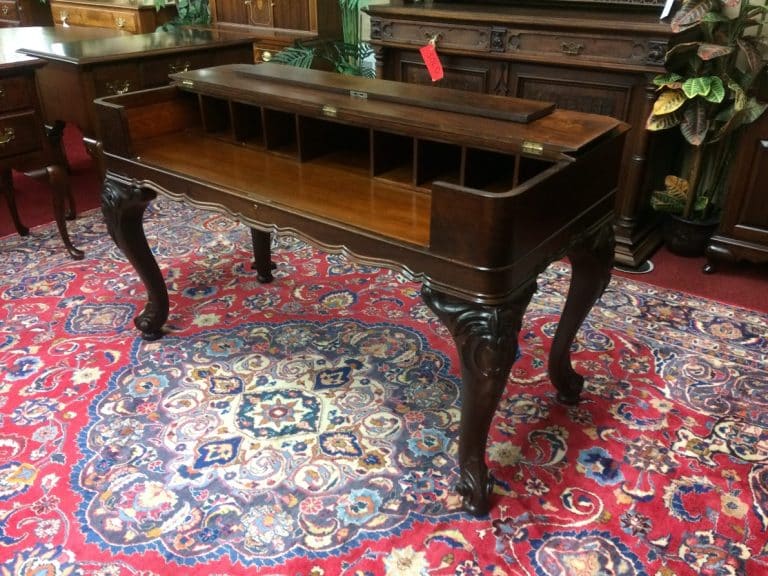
(486, 340)
(123, 207)
(591, 259)
(262, 255)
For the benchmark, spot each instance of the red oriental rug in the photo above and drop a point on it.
(308, 427)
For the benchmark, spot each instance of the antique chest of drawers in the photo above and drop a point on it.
(135, 16)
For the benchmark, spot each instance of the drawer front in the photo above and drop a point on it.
(70, 15)
(155, 72)
(8, 11)
(114, 79)
(19, 133)
(581, 47)
(450, 37)
(16, 92)
(524, 43)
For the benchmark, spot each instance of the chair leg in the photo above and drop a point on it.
(6, 187)
(55, 133)
(57, 176)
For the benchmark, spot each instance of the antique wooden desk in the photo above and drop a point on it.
(135, 16)
(80, 71)
(473, 196)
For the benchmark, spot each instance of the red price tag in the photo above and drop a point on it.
(432, 60)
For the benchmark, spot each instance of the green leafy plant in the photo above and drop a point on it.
(347, 56)
(189, 12)
(712, 66)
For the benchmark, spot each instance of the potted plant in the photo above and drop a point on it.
(347, 56)
(712, 68)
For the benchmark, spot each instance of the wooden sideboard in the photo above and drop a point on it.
(591, 59)
(743, 230)
(295, 20)
(455, 192)
(135, 16)
(24, 13)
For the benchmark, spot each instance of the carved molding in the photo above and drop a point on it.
(657, 49)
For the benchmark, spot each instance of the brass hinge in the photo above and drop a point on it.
(532, 147)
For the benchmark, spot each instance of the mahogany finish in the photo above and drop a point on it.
(295, 20)
(135, 16)
(79, 71)
(458, 201)
(592, 58)
(24, 145)
(743, 230)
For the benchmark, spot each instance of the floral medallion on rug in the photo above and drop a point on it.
(308, 427)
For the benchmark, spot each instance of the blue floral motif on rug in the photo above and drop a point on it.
(308, 427)
(270, 441)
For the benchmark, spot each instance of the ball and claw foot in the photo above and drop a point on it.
(147, 326)
(475, 500)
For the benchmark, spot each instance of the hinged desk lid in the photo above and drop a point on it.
(449, 100)
(499, 123)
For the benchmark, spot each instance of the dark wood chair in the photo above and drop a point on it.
(63, 202)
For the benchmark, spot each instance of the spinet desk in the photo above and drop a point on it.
(472, 196)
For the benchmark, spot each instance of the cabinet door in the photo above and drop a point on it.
(746, 212)
(596, 92)
(468, 74)
(292, 14)
(245, 12)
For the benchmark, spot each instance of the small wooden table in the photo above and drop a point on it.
(82, 70)
(24, 145)
(470, 195)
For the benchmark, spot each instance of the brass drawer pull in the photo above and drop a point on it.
(63, 15)
(172, 68)
(2, 92)
(119, 86)
(5, 10)
(571, 48)
(7, 135)
(120, 22)
(266, 56)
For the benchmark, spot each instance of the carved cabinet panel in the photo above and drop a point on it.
(138, 17)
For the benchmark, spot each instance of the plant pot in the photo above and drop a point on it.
(687, 237)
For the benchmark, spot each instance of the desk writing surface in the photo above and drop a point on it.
(84, 51)
(44, 38)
